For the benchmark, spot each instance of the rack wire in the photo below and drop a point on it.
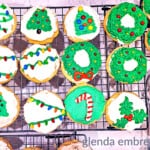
(60, 85)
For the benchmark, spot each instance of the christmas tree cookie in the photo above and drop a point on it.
(125, 110)
(8, 64)
(8, 21)
(40, 25)
(44, 111)
(81, 23)
(9, 107)
(4, 144)
(39, 63)
(147, 39)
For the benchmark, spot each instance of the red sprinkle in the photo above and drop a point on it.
(119, 30)
(83, 17)
(5, 58)
(142, 22)
(90, 20)
(132, 33)
(118, 16)
(134, 9)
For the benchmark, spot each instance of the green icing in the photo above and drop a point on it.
(84, 23)
(78, 111)
(147, 6)
(121, 123)
(148, 37)
(3, 6)
(40, 21)
(125, 34)
(73, 69)
(3, 110)
(118, 59)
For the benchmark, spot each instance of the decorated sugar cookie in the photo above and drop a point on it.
(126, 65)
(146, 8)
(44, 111)
(9, 107)
(8, 21)
(81, 23)
(8, 64)
(39, 63)
(125, 22)
(4, 144)
(147, 39)
(81, 62)
(40, 25)
(32, 148)
(84, 104)
(125, 110)
(73, 145)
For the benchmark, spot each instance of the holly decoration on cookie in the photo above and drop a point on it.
(3, 110)
(4, 17)
(129, 114)
(40, 21)
(84, 23)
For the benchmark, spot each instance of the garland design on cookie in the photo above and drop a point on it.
(126, 109)
(88, 98)
(48, 107)
(40, 21)
(5, 17)
(147, 6)
(126, 22)
(76, 71)
(3, 110)
(84, 23)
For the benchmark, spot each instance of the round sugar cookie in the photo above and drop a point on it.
(125, 110)
(44, 111)
(81, 23)
(8, 64)
(9, 107)
(8, 21)
(4, 144)
(146, 8)
(84, 104)
(39, 63)
(147, 39)
(39, 25)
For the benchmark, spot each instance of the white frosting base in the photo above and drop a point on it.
(12, 107)
(9, 24)
(32, 34)
(9, 66)
(114, 113)
(128, 21)
(130, 65)
(3, 146)
(82, 58)
(40, 72)
(34, 113)
(69, 23)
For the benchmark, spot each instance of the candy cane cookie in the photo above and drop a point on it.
(84, 104)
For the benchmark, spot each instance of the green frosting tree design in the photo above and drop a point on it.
(3, 110)
(39, 21)
(84, 23)
(126, 109)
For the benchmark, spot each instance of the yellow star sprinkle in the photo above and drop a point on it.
(80, 8)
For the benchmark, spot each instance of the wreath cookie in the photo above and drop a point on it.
(125, 110)
(9, 107)
(8, 21)
(81, 23)
(81, 62)
(4, 144)
(147, 39)
(84, 104)
(125, 22)
(146, 8)
(44, 111)
(8, 64)
(39, 63)
(126, 65)
(39, 25)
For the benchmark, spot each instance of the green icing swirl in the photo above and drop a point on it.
(148, 37)
(126, 35)
(146, 6)
(72, 67)
(118, 59)
(77, 111)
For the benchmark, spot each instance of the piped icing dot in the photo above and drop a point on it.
(25, 67)
(90, 27)
(132, 33)
(81, 27)
(38, 31)
(78, 21)
(37, 53)
(90, 20)
(83, 17)
(84, 24)
(142, 22)
(118, 16)
(133, 8)
(7, 76)
(119, 29)
(7, 12)
(80, 8)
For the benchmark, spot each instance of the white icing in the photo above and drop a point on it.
(9, 66)
(128, 21)
(114, 113)
(9, 24)
(3, 146)
(44, 71)
(34, 113)
(130, 65)
(82, 58)
(32, 34)
(12, 107)
(69, 23)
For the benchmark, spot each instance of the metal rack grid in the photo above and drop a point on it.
(24, 88)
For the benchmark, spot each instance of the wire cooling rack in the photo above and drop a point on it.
(59, 84)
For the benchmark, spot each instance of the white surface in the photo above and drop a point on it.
(128, 21)
(130, 65)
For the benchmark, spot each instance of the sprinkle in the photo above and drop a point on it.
(42, 26)
(25, 67)
(81, 27)
(13, 57)
(142, 22)
(7, 12)
(80, 8)
(49, 107)
(37, 53)
(90, 27)
(90, 20)
(78, 21)
(118, 16)
(132, 33)
(134, 9)
(119, 29)
(83, 17)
